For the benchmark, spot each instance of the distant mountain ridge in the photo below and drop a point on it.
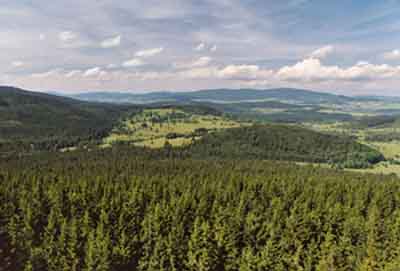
(294, 96)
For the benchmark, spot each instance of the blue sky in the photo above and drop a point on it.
(347, 47)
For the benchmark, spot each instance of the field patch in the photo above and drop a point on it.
(385, 168)
(155, 127)
(391, 150)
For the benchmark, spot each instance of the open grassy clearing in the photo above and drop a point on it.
(381, 168)
(385, 168)
(391, 150)
(340, 128)
(160, 142)
(353, 113)
(154, 127)
(10, 123)
(363, 135)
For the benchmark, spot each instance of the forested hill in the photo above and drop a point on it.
(219, 95)
(28, 115)
(289, 143)
(35, 121)
(31, 121)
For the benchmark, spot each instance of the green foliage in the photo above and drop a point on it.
(152, 126)
(119, 210)
(36, 121)
(289, 143)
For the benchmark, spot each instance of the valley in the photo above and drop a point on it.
(235, 130)
(248, 179)
(199, 135)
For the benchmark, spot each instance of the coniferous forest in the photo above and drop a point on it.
(116, 209)
(199, 135)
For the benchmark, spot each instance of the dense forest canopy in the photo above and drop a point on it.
(117, 210)
(287, 143)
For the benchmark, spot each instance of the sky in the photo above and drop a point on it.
(341, 46)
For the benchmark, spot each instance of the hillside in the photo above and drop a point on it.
(31, 116)
(289, 143)
(179, 125)
(36, 121)
(277, 105)
(297, 96)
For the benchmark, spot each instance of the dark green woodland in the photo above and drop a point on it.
(118, 210)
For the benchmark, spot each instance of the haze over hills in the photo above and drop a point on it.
(299, 96)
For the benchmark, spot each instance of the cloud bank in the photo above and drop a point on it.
(189, 44)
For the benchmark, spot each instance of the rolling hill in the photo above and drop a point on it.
(295, 96)
(30, 120)
(282, 142)
(37, 117)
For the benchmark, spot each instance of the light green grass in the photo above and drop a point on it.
(10, 123)
(160, 142)
(69, 149)
(141, 130)
(381, 168)
(332, 128)
(388, 149)
(353, 113)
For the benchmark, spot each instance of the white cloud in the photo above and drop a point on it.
(312, 69)
(92, 72)
(322, 52)
(103, 75)
(73, 73)
(134, 62)
(230, 72)
(111, 42)
(149, 52)
(73, 40)
(18, 63)
(362, 63)
(200, 73)
(239, 71)
(154, 75)
(42, 37)
(67, 36)
(203, 46)
(308, 70)
(112, 66)
(392, 55)
(244, 72)
(200, 62)
(200, 47)
(47, 74)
